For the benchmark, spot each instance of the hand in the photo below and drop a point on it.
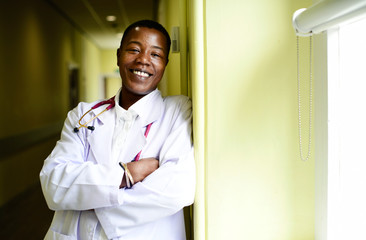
(140, 170)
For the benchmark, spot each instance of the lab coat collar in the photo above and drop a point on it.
(148, 108)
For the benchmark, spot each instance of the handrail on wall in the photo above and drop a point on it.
(16, 143)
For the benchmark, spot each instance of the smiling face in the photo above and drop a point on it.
(142, 58)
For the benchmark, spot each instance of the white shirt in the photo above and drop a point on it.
(124, 122)
(82, 173)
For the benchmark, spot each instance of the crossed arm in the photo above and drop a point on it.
(140, 170)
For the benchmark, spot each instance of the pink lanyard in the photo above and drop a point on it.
(146, 133)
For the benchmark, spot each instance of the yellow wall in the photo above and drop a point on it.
(112, 79)
(254, 185)
(37, 46)
(109, 61)
(169, 16)
(91, 71)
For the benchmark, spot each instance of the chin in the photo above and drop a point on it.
(138, 91)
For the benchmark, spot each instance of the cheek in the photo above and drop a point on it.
(124, 60)
(160, 67)
(161, 71)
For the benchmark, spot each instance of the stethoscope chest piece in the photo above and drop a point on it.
(111, 103)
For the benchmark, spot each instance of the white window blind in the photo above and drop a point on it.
(339, 128)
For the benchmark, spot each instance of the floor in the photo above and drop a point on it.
(25, 217)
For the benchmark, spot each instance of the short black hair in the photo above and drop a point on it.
(149, 24)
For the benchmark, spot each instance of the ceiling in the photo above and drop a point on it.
(89, 16)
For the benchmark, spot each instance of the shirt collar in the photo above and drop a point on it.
(148, 108)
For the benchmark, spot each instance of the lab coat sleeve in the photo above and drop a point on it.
(69, 182)
(164, 192)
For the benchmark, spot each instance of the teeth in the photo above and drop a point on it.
(142, 74)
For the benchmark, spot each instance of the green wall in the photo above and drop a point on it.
(37, 47)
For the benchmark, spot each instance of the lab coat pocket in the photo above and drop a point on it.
(52, 235)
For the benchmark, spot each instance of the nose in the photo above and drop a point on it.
(143, 58)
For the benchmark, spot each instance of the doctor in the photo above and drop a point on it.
(129, 175)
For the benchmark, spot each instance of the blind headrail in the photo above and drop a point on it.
(327, 14)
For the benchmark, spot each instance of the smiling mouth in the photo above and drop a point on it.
(140, 73)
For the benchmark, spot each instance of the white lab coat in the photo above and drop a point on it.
(79, 177)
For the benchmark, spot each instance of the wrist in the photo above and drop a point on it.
(127, 177)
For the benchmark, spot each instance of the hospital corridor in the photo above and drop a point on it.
(276, 89)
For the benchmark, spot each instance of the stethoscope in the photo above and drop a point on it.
(111, 103)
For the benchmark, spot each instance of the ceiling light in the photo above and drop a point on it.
(111, 18)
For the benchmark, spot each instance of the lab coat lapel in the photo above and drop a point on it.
(100, 139)
(135, 142)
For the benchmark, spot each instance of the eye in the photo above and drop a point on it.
(155, 55)
(133, 50)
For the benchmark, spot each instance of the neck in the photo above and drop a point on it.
(127, 99)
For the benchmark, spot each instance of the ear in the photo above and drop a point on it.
(118, 55)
